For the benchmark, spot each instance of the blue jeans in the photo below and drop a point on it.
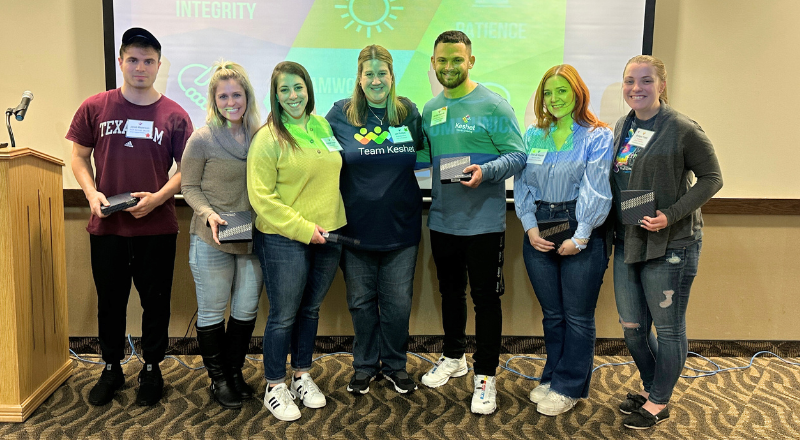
(379, 290)
(567, 288)
(656, 292)
(220, 276)
(297, 277)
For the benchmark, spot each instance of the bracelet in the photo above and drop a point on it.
(578, 245)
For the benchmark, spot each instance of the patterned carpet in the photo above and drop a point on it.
(759, 402)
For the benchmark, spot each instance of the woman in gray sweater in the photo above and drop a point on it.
(214, 181)
(656, 261)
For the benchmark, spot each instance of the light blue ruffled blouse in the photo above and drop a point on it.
(579, 171)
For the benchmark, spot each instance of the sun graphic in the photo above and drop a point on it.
(374, 5)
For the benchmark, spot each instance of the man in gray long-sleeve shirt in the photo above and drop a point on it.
(467, 219)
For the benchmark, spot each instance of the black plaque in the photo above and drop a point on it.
(118, 203)
(239, 228)
(451, 169)
(635, 204)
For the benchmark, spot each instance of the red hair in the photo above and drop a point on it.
(580, 114)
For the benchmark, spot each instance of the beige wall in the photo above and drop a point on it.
(714, 49)
(745, 290)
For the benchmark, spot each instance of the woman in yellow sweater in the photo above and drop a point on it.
(293, 184)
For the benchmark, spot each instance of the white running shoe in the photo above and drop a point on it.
(484, 398)
(540, 392)
(281, 403)
(443, 370)
(307, 391)
(555, 403)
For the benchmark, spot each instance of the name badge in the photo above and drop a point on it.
(400, 134)
(331, 143)
(641, 138)
(439, 116)
(537, 155)
(135, 129)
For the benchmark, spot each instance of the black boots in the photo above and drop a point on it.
(211, 340)
(237, 342)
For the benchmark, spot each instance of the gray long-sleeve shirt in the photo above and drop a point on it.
(677, 149)
(214, 179)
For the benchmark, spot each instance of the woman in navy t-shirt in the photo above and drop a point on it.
(379, 133)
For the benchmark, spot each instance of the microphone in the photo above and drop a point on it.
(336, 238)
(22, 108)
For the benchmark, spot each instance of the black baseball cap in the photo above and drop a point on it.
(133, 34)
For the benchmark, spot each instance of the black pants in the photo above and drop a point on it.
(148, 261)
(478, 258)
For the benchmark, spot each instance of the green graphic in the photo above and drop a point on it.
(201, 80)
(355, 19)
(353, 24)
(378, 136)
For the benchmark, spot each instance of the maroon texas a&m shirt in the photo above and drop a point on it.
(124, 164)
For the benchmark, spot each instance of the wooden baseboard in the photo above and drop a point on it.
(19, 413)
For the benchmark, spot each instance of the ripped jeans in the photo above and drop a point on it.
(656, 292)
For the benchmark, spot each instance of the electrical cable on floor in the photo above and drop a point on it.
(700, 372)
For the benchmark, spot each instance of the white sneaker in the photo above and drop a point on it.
(540, 392)
(443, 370)
(484, 398)
(307, 391)
(281, 403)
(555, 403)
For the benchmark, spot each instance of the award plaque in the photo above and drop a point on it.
(450, 169)
(555, 231)
(635, 204)
(118, 203)
(239, 228)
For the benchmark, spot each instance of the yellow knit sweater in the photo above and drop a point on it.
(291, 189)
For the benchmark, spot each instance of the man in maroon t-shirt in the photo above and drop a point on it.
(134, 133)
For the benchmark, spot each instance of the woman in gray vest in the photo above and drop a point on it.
(655, 260)
(214, 181)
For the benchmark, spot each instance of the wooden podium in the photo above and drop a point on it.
(34, 338)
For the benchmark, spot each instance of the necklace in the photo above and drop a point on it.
(380, 120)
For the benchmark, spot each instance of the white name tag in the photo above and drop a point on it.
(135, 129)
(439, 116)
(537, 155)
(400, 134)
(641, 138)
(331, 143)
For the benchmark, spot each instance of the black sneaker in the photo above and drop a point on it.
(110, 381)
(151, 385)
(402, 383)
(641, 418)
(359, 383)
(631, 403)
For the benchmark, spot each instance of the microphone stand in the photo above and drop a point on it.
(9, 112)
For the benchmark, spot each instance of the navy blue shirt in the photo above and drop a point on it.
(382, 199)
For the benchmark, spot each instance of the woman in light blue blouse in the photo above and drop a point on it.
(565, 187)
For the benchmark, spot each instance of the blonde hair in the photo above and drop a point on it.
(658, 66)
(225, 70)
(356, 109)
